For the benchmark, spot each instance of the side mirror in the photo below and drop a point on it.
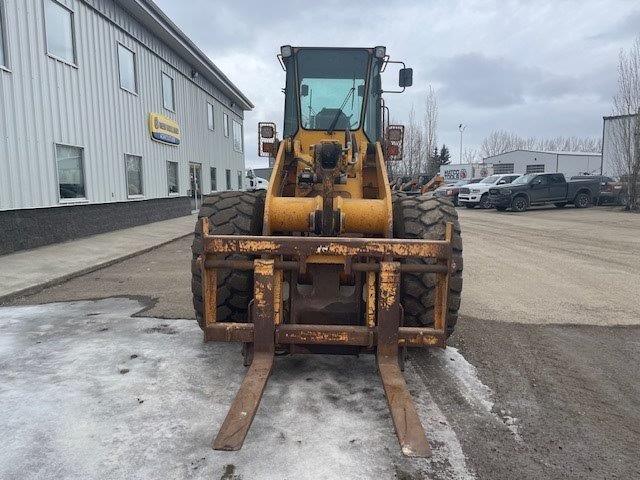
(405, 77)
(267, 141)
(361, 90)
(304, 90)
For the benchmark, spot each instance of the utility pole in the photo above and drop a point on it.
(462, 128)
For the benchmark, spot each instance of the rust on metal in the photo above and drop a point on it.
(305, 246)
(355, 266)
(441, 306)
(209, 283)
(236, 425)
(370, 286)
(324, 335)
(229, 332)
(409, 431)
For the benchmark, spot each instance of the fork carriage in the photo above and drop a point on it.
(375, 327)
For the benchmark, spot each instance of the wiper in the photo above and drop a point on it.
(337, 117)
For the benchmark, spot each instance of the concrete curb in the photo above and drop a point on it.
(78, 273)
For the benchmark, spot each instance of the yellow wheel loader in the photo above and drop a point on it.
(328, 260)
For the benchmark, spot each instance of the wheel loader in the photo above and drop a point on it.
(328, 260)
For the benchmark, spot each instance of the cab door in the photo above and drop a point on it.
(539, 189)
(557, 187)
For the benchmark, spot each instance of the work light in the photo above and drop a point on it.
(379, 52)
(286, 51)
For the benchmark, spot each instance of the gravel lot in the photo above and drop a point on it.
(542, 382)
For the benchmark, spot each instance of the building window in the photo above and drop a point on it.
(133, 167)
(168, 93)
(225, 124)
(127, 68)
(70, 172)
(537, 168)
(210, 117)
(240, 180)
(237, 136)
(172, 178)
(228, 175)
(3, 54)
(59, 31)
(214, 179)
(500, 168)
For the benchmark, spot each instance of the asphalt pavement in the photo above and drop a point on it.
(541, 381)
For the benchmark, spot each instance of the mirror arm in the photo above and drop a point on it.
(403, 66)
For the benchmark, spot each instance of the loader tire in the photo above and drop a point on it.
(229, 213)
(425, 217)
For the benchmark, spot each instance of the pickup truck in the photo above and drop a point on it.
(478, 194)
(540, 188)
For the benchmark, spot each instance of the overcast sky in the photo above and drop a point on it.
(536, 68)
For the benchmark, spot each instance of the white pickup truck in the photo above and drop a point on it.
(256, 183)
(477, 194)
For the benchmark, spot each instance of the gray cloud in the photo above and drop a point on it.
(543, 68)
(483, 82)
(627, 27)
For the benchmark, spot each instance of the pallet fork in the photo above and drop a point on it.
(382, 333)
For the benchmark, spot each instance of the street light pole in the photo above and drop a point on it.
(462, 128)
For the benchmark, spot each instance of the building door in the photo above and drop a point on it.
(195, 185)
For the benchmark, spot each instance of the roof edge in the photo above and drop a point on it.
(150, 12)
(552, 152)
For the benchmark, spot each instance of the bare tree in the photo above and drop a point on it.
(430, 132)
(500, 141)
(470, 155)
(626, 137)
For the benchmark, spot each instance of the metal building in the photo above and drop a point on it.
(527, 161)
(109, 117)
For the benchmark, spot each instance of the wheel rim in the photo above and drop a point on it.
(520, 204)
(582, 200)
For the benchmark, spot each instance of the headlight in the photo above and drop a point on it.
(506, 191)
(474, 190)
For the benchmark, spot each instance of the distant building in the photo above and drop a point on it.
(617, 135)
(110, 117)
(527, 161)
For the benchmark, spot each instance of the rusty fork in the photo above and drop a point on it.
(409, 431)
(382, 329)
(236, 425)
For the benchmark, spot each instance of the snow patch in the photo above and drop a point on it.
(476, 393)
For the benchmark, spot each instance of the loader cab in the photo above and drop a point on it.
(333, 89)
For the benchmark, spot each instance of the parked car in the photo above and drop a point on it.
(478, 195)
(540, 188)
(452, 189)
(611, 192)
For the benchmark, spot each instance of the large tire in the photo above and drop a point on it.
(520, 204)
(485, 201)
(229, 213)
(582, 200)
(425, 217)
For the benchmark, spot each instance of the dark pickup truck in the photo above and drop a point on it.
(541, 188)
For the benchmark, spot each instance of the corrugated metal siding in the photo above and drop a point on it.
(567, 163)
(44, 101)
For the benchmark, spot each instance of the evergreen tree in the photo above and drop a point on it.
(445, 156)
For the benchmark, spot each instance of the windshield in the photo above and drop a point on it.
(492, 179)
(331, 86)
(524, 179)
